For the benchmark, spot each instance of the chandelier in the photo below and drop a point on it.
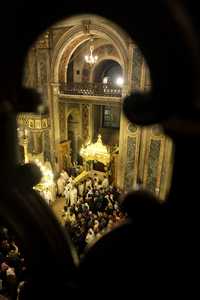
(90, 58)
(96, 151)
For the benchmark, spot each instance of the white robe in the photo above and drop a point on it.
(64, 175)
(61, 185)
(105, 183)
(81, 189)
(67, 195)
(88, 184)
(48, 197)
(73, 196)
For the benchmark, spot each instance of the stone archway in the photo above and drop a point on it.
(74, 37)
(103, 67)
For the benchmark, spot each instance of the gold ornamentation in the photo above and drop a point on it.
(44, 123)
(31, 123)
(43, 41)
(96, 151)
(156, 130)
(132, 128)
(38, 124)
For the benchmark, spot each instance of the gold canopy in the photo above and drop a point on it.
(96, 151)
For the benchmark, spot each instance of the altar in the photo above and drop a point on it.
(95, 153)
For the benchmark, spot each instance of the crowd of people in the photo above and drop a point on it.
(12, 267)
(92, 208)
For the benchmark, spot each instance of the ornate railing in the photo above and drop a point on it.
(90, 89)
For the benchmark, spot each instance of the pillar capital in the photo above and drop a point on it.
(55, 87)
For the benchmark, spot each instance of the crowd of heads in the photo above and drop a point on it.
(96, 211)
(12, 266)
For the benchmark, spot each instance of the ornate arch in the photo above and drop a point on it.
(108, 57)
(74, 112)
(74, 37)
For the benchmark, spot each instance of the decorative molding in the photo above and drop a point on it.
(132, 128)
(156, 130)
(56, 33)
(86, 26)
(62, 71)
(84, 99)
(43, 41)
(33, 121)
(137, 69)
(30, 69)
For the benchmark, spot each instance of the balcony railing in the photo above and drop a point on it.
(90, 89)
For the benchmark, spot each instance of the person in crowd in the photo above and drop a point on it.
(81, 188)
(64, 175)
(90, 236)
(95, 185)
(88, 184)
(60, 186)
(67, 195)
(105, 182)
(11, 265)
(73, 195)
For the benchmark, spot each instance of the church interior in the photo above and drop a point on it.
(100, 143)
(89, 154)
(83, 67)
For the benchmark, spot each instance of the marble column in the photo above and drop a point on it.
(130, 134)
(86, 117)
(62, 120)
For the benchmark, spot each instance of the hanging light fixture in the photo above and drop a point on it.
(90, 58)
